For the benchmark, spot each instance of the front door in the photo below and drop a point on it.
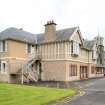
(83, 72)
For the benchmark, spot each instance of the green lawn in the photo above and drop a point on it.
(11, 94)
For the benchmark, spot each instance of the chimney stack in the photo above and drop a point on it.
(50, 31)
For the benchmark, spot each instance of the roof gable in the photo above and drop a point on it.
(76, 36)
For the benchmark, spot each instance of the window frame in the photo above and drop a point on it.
(3, 70)
(75, 48)
(3, 46)
(92, 69)
(73, 70)
(29, 48)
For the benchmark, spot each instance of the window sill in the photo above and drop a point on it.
(3, 72)
(3, 51)
(74, 55)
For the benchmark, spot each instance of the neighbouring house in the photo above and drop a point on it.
(55, 55)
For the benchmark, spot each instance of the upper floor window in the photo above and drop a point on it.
(94, 53)
(29, 48)
(3, 46)
(75, 48)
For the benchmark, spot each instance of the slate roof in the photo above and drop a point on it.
(17, 34)
(20, 35)
(88, 44)
(61, 35)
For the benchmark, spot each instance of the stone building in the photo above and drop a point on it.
(55, 55)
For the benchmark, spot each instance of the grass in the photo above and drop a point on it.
(11, 94)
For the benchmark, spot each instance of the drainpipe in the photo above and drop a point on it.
(22, 75)
(88, 64)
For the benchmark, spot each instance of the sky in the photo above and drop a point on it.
(31, 15)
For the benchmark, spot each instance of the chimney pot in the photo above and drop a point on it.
(50, 30)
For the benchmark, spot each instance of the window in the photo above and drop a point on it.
(3, 68)
(83, 72)
(0, 66)
(92, 70)
(3, 46)
(28, 48)
(99, 71)
(94, 53)
(75, 48)
(73, 70)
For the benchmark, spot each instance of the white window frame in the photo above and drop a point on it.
(32, 49)
(1, 46)
(76, 48)
(3, 70)
(94, 53)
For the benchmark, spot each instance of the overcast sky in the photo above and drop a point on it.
(31, 15)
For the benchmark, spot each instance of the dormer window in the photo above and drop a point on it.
(75, 48)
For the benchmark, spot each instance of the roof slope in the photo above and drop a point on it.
(61, 35)
(17, 34)
(20, 35)
(88, 44)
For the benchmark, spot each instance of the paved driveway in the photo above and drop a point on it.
(94, 93)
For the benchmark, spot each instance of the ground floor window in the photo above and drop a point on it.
(3, 67)
(100, 71)
(93, 70)
(73, 70)
(83, 72)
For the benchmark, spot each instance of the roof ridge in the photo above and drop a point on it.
(14, 28)
(67, 28)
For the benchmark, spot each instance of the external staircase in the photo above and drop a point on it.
(29, 71)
